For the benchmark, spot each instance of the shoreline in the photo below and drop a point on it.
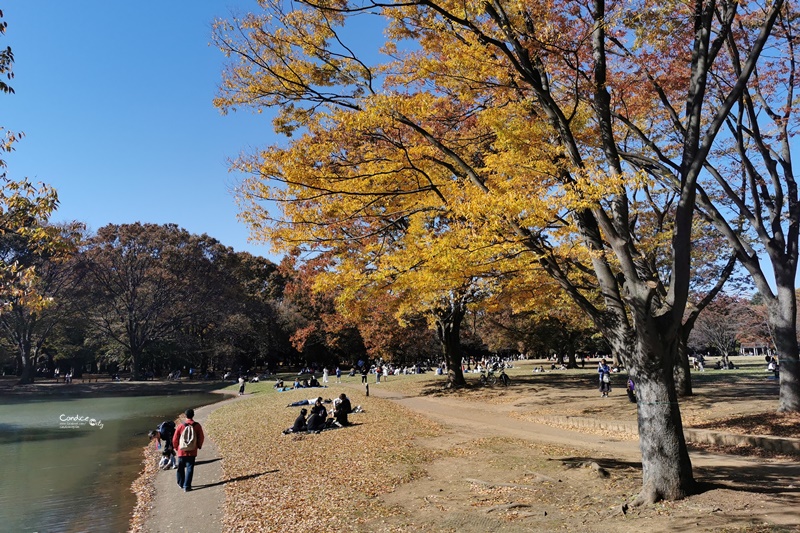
(151, 515)
(143, 485)
(9, 389)
(474, 422)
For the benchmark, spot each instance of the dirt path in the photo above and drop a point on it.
(737, 490)
(493, 459)
(198, 511)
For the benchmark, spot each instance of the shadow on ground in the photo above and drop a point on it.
(239, 478)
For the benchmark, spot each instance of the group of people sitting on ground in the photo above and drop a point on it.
(318, 420)
(724, 363)
(305, 384)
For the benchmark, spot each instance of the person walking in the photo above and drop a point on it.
(325, 375)
(338, 375)
(364, 372)
(187, 440)
(604, 372)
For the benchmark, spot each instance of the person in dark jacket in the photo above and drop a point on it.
(631, 390)
(342, 409)
(315, 422)
(299, 423)
(186, 457)
(319, 408)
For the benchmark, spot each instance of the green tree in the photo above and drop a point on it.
(142, 283)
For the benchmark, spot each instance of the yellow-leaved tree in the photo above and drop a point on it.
(25, 236)
(502, 131)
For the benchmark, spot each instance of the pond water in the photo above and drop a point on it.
(67, 464)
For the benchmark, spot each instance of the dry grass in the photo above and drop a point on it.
(380, 474)
(314, 482)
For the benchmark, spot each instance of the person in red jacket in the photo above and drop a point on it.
(187, 451)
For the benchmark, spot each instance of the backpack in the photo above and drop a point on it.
(188, 440)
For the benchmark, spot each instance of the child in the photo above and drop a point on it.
(167, 459)
(631, 391)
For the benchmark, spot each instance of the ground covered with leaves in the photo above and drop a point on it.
(397, 470)
(315, 482)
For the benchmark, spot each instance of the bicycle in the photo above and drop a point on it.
(488, 378)
(504, 378)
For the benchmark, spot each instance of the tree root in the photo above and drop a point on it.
(602, 472)
(505, 507)
(645, 498)
(492, 484)
(542, 478)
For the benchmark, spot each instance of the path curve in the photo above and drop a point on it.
(204, 504)
(198, 511)
(484, 420)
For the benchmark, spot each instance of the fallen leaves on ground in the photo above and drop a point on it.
(769, 423)
(144, 489)
(314, 482)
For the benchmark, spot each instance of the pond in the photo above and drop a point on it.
(68, 463)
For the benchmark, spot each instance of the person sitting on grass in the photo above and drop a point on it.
(299, 423)
(319, 408)
(342, 408)
(316, 422)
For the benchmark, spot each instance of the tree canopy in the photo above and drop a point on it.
(549, 131)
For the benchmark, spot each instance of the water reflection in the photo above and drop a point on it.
(63, 473)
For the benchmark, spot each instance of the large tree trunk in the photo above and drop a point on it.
(27, 360)
(136, 372)
(448, 329)
(666, 467)
(572, 361)
(783, 315)
(681, 372)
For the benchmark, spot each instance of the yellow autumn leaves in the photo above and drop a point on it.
(428, 171)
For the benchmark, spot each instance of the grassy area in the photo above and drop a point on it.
(391, 464)
(317, 482)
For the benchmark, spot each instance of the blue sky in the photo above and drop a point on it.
(114, 99)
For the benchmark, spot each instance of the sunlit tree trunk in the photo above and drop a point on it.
(448, 330)
(666, 467)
